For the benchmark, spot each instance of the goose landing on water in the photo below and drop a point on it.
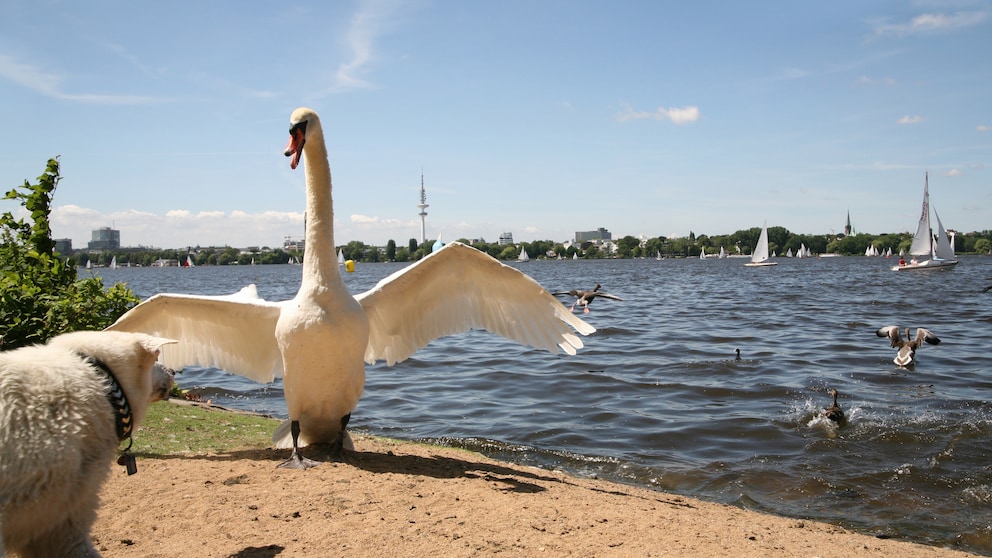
(834, 412)
(585, 298)
(906, 357)
(321, 340)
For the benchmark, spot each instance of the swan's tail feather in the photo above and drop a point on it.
(282, 438)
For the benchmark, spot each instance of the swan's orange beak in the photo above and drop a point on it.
(295, 146)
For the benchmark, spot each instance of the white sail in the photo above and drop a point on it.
(723, 254)
(702, 253)
(922, 239)
(523, 257)
(942, 249)
(924, 244)
(340, 256)
(760, 255)
(113, 263)
(788, 254)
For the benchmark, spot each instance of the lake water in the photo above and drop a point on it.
(657, 399)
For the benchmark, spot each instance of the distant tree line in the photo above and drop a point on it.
(780, 240)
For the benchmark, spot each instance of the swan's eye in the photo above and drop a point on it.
(299, 127)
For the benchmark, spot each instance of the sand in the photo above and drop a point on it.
(398, 499)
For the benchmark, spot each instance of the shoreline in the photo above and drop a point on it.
(399, 498)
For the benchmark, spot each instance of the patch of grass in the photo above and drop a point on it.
(178, 429)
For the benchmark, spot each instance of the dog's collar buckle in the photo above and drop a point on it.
(123, 419)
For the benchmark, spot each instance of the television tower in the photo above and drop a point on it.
(423, 209)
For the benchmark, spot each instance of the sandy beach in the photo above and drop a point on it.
(398, 499)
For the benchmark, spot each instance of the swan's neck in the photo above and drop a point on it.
(319, 259)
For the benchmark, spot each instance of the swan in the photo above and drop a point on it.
(585, 298)
(320, 340)
(906, 357)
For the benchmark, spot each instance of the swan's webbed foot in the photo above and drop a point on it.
(586, 311)
(296, 460)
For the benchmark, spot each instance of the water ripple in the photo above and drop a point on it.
(657, 397)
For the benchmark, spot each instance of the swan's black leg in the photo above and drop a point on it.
(338, 449)
(297, 461)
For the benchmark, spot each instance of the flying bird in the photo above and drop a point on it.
(320, 340)
(906, 357)
(585, 298)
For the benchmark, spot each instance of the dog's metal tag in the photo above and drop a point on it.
(131, 464)
(128, 461)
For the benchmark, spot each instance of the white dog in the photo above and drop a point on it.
(64, 409)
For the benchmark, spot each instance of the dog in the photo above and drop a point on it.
(65, 407)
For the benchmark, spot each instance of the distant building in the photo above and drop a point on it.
(592, 236)
(105, 238)
(847, 227)
(423, 209)
(291, 244)
(506, 239)
(63, 246)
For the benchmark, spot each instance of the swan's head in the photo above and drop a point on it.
(303, 123)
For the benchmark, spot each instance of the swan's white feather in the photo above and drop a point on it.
(320, 337)
(459, 288)
(235, 332)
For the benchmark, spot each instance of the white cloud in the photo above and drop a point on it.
(953, 172)
(983, 128)
(682, 115)
(50, 85)
(930, 23)
(870, 82)
(177, 228)
(373, 19)
(911, 119)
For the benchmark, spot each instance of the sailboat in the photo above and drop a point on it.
(189, 261)
(723, 253)
(759, 257)
(523, 257)
(340, 256)
(939, 249)
(702, 253)
(113, 262)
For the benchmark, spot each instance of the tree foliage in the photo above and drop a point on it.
(40, 296)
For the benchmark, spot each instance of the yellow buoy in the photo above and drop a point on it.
(349, 265)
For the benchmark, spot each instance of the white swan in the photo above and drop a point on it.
(320, 340)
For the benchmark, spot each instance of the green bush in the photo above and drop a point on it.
(40, 296)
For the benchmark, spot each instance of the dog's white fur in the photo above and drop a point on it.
(58, 435)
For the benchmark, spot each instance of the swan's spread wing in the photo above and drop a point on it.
(235, 333)
(459, 288)
(609, 296)
(892, 332)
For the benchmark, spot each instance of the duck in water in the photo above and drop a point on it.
(585, 298)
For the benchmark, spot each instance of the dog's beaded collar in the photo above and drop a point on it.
(123, 419)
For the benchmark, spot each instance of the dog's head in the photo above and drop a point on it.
(131, 357)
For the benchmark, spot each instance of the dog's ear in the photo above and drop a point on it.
(153, 344)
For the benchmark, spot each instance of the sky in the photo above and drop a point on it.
(538, 118)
